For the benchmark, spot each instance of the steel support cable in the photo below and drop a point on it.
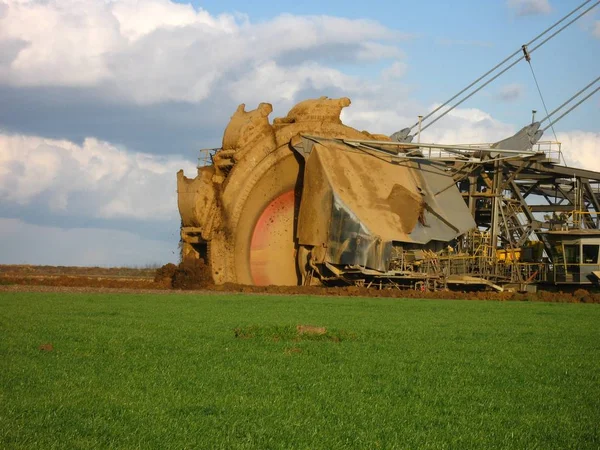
(569, 100)
(506, 69)
(565, 26)
(471, 94)
(542, 98)
(509, 67)
(574, 106)
(503, 62)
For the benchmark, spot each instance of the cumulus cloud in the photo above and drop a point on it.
(394, 72)
(510, 92)
(581, 149)
(158, 50)
(270, 80)
(459, 126)
(467, 126)
(530, 7)
(95, 179)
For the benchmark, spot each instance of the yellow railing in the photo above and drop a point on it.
(578, 217)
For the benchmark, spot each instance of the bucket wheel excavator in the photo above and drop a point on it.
(306, 199)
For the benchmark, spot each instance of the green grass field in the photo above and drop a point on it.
(229, 371)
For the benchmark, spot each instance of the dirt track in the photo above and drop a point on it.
(84, 277)
(26, 270)
(118, 280)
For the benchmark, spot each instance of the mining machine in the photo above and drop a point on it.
(306, 200)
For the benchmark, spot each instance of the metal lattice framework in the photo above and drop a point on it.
(515, 197)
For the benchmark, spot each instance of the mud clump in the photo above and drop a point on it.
(46, 348)
(582, 296)
(165, 274)
(408, 206)
(191, 274)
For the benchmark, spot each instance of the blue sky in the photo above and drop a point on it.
(102, 102)
(449, 44)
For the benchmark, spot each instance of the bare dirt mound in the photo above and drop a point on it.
(191, 274)
(164, 275)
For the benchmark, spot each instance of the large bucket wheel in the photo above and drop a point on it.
(257, 245)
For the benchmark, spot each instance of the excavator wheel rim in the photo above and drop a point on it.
(249, 192)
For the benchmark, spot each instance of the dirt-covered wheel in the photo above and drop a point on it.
(257, 245)
(240, 212)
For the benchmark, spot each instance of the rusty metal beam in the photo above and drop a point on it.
(551, 208)
(531, 189)
(524, 206)
(564, 171)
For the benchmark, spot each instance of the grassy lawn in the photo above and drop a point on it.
(229, 371)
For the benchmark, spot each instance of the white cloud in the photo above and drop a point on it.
(530, 7)
(137, 19)
(467, 126)
(24, 243)
(272, 81)
(64, 43)
(393, 72)
(581, 149)
(157, 50)
(95, 179)
(460, 126)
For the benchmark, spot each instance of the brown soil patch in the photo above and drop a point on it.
(165, 274)
(97, 290)
(27, 270)
(84, 277)
(46, 348)
(80, 281)
(195, 277)
(408, 206)
(191, 274)
(354, 291)
(309, 329)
